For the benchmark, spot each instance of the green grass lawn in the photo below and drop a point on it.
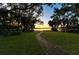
(68, 41)
(25, 43)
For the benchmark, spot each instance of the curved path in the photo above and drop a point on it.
(51, 49)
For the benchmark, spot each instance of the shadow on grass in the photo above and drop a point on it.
(8, 33)
(13, 33)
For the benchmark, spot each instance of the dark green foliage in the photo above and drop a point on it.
(67, 16)
(24, 14)
(21, 13)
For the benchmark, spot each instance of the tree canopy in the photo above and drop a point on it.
(67, 15)
(20, 16)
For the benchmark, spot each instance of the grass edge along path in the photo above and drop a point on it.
(68, 41)
(51, 49)
(23, 44)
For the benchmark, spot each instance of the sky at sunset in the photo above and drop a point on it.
(47, 12)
